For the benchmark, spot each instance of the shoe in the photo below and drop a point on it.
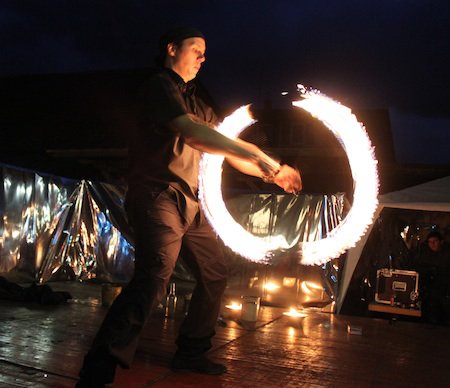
(200, 364)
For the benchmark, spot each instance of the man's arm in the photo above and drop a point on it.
(245, 157)
(288, 178)
(203, 138)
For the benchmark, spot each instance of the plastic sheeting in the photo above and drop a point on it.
(57, 229)
(54, 228)
(296, 217)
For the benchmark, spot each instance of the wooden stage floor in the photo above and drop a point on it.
(42, 346)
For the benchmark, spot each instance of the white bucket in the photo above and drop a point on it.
(250, 308)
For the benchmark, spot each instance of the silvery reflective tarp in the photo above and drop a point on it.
(54, 228)
(57, 229)
(298, 218)
(29, 204)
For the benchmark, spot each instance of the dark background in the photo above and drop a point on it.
(388, 54)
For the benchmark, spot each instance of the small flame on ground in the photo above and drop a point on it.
(294, 313)
(234, 306)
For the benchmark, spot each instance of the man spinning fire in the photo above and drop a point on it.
(175, 127)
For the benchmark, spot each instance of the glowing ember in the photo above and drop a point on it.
(271, 286)
(234, 306)
(353, 137)
(294, 313)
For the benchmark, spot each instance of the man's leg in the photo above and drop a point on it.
(158, 233)
(204, 256)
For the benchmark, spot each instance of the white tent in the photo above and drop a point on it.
(430, 196)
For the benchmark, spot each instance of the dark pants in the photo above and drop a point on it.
(166, 224)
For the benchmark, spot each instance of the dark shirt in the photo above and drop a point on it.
(159, 156)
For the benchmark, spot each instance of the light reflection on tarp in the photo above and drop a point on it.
(29, 204)
(85, 243)
(311, 217)
(57, 229)
(299, 218)
(54, 228)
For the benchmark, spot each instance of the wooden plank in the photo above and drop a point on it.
(43, 347)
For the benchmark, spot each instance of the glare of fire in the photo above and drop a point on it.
(234, 306)
(363, 164)
(309, 288)
(271, 286)
(294, 313)
(404, 232)
(356, 143)
(289, 282)
(210, 193)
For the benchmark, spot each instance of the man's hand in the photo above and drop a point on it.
(266, 164)
(288, 179)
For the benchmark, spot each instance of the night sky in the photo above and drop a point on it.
(391, 54)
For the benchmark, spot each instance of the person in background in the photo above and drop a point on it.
(433, 266)
(175, 127)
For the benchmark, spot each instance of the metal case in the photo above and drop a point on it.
(397, 287)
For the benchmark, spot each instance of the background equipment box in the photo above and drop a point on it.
(397, 287)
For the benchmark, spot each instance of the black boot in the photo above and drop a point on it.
(198, 364)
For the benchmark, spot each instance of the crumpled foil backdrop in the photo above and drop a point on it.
(59, 229)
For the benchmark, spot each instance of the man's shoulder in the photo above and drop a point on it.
(159, 82)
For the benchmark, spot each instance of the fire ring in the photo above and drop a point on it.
(360, 153)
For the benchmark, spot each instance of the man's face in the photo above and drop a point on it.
(434, 244)
(187, 57)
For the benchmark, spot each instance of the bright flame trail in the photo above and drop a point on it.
(356, 143)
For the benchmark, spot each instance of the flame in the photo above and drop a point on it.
(356, 143)
(210, 194)
(294, 313)
(271, 286)
(234, 306)
(363, 164)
